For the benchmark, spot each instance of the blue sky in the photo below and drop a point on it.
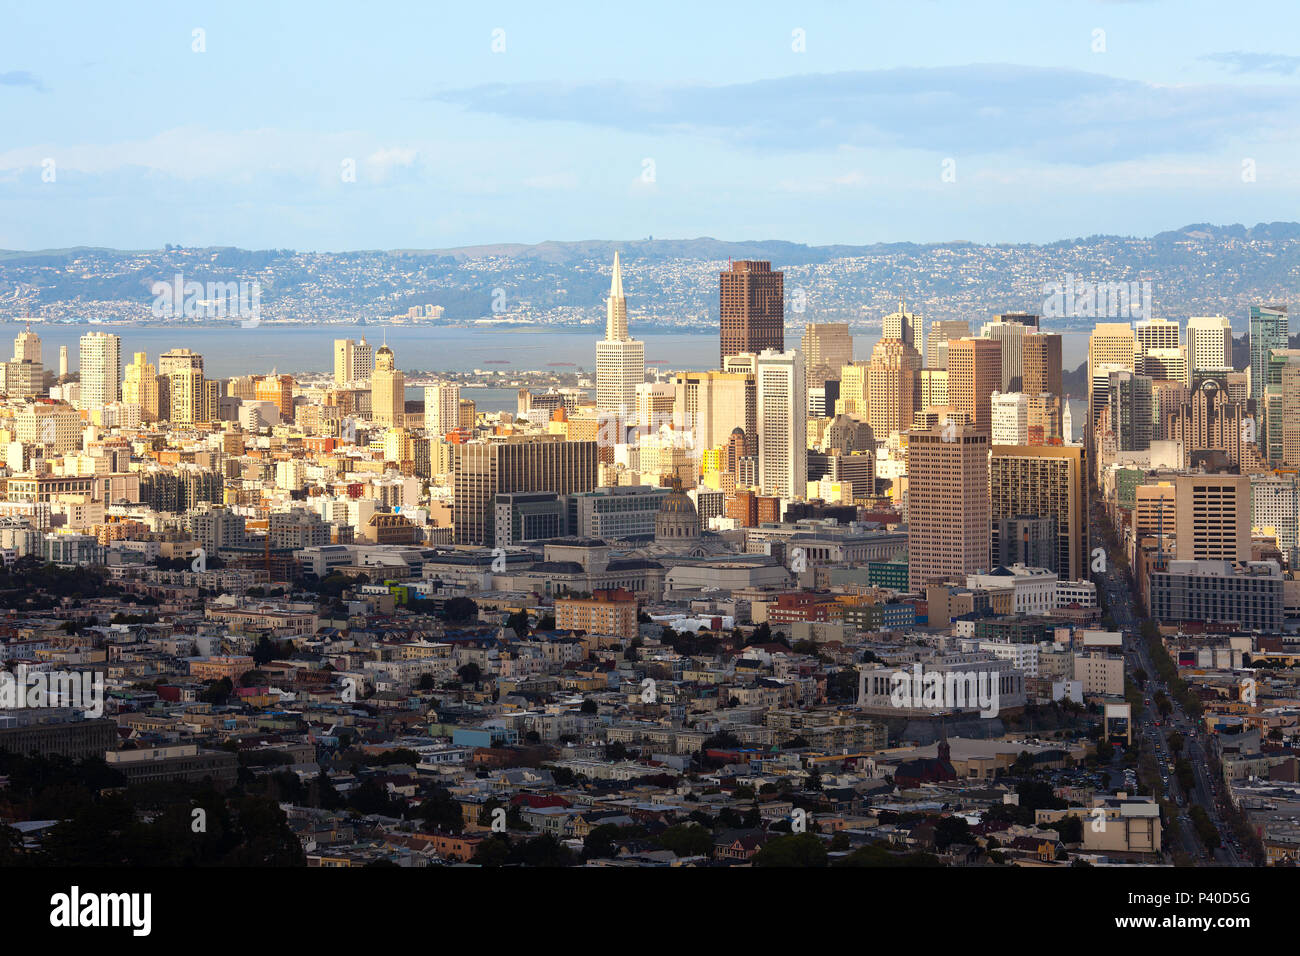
(618, 121)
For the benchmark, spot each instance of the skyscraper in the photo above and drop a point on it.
(101, 369)
(891, 387)
(1132, 418)
(353, 362)
(902, 325)
(387, 390)
(1209, 344)
(1111, 346)
(140, 387)
(1011, 336)
(1269, 329)
(441, 408)
(782, 424)
(948, 504)
(620, 359)
(751, 308)
(484, 469)
(827, 347)
(974, 374)
(1044, 481)
(937, 339)
(1212, 515)
(1042, 365)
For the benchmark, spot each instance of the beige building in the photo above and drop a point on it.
(387, 390)
(1045, 481)
(1212, 515)
(948, 504)
(974, 374)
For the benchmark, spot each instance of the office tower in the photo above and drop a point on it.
(751, 308)
(948, 504)
(1210, 422)
(902, 325)
(1163, 365)
(1010, 418)
(1131, 414)
(937, 339)
(855, 389)
(712, 405)
(27, 347)
(484, 469)
(1111, 345)
(1011, 337)
(1042, 363)
(101, 369)
(467, 413)
(1151, 334)
(1028, 319)
(934, 387)
(1282, 406)
(353, 362)
(620, 359)
(1269, 329)
(1213, 517)
(1044, 481)
(782, 424)
(441, 408)
(1209, 343)
(387, 390)
(827, 347)
(654, 405)
(974, 374)
(140, 387)
(892, 387)
(63, 361)
(1275, 508)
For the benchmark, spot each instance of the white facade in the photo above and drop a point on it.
(1010, 418)
(1034, 589)
(441, 407)
(620, 359)
(101, 369)
(1209, 342)
(782, 424)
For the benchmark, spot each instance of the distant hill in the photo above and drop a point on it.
(1198, 269)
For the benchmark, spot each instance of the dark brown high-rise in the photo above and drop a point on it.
(751, 301)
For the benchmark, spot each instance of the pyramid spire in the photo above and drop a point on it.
(616, 284)
(616, 307)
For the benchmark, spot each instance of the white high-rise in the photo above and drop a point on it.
(620, 359)
(27, 347)
(782, 424)
(441, 407)
(1209, 343)
(354, 362)
(101, 369)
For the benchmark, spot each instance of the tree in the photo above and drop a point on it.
(459, 610)
(796, 850)
(518, 622)
(441, 811)
(601, 842)
(470, 673)
(589, 706)
(687, 839)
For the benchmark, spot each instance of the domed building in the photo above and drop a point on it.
(678, 523)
